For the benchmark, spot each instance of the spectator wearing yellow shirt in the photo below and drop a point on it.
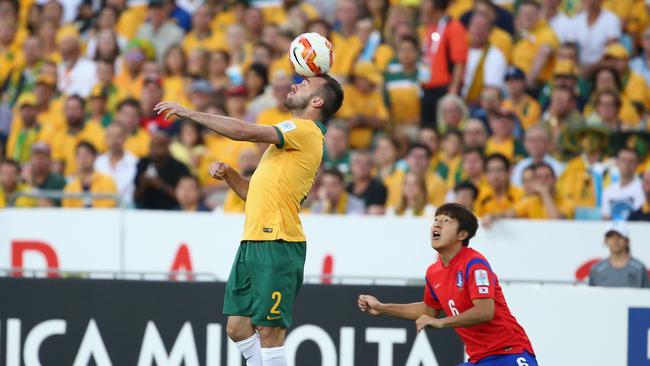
(281, 85)
(502, 124)
(363, 107)
(413, 201)
(23, 76)
(336, 154)
(606, 78)
(23, 136)
(188, 195)
(47, 30)
(633, 85)
(497, 198)
(545, 202)
(175, 73)
(98, 106)
(129, 115)
(385, 157)
(472, 169)
(607, 104)
(373, 49)
(525, 107)
(129, 81)
(87, 180)
(402, 87)
(217, 70)
(533, 53)
(202, 36)
(10, 55)
(417, 159)
(499, 34)
(10, 185)
(64, 141)
(189, 148)
(50, 108)
(344, 39)
(466, 193)
(450, 156)
(247, 161)
(582, 179)
(333, 198)
(105, 76)
(279, 45)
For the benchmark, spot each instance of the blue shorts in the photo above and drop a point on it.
(519, 359)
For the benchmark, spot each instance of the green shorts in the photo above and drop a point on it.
(264, 281)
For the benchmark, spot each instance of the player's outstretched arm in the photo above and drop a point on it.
(412, 311)
(481, 312)
(232, 128)
(223, 171)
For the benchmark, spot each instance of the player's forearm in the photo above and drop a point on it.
(539, 62)
(407, 311)
(456, 78)
(238, 183)
(231, 128)
(469, 318)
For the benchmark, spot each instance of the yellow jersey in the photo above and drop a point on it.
(488, 203)
(532, 207)
(577, 184)
(528, 110)
(347, 50)
(367, 105)
(526, 49)
(215, 41)
(282, 181)
(99, 183)
(436, 188)
(64, 145)
(138, 143)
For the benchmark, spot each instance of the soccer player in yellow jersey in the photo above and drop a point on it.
(268, 269)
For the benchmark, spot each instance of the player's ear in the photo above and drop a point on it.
(462, 235)
(317, 101)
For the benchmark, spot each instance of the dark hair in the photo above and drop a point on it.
(172, 48)
(530, 2)
(332, 95)
(11, 162)
(318, 21)
(439, 4)
(474, 150)
(410, 39)
(191, 177)
(78, 98)
(570, 91)
(570, 44)
(454, 132)
(490, 4)
(335, 173)
(130, 102)
(224, 53)
(541, 165)
(418, 145)
(467, 222)
(86, 145)
(611, 71)
(500, 157)
(467, 185)
(262, 72)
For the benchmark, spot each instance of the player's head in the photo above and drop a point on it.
(321, 93)
(617, 238)
(453, 223)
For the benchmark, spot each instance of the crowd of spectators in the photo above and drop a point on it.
(514, 108)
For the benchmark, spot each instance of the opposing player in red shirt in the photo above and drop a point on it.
(462, 284)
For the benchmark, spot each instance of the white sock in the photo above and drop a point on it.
(250, 349)
(274, 356)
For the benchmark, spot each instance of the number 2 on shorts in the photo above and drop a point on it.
(277, 296)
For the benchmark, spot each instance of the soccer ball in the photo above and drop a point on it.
(311, 55)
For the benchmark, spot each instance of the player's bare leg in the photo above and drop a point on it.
(240, 329)
(272, 339)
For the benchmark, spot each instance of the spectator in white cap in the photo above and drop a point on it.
(619, 269)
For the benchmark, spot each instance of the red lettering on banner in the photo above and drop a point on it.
(182, 261)
(582, 273)
(18, 249)
(328, 268)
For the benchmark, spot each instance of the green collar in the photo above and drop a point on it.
(320, 125)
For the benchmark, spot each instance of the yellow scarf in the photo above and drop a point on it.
(475, 89)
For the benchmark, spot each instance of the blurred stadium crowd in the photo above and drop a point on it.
(514, 108)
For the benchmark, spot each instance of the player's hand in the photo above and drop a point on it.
(218, 170)
(171, 109)
(369, 304)
(487, 221)
(427, 321)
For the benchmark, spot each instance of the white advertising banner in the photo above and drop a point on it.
(346, 246)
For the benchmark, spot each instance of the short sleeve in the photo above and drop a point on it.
(480, 279)
(293, 135)
(457, 42)
(430, 298)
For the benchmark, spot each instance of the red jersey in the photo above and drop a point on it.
(452, 289)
